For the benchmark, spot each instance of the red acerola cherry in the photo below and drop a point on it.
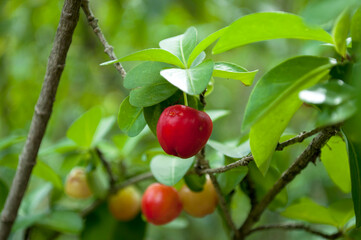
(183, 131)
(161, 204)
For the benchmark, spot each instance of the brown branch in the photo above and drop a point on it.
(242, 162)
(203, 165)
(292, 226)
(310, 154)
(108, 49)
(112, 178)
(136, 179)
(27, 160)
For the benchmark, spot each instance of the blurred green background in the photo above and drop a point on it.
(27, 29)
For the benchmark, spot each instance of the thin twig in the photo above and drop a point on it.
(242, 162)
(27, 160)
(112, 178)
(293, 226)
(134, 180)
(108, 49)
(310, 154)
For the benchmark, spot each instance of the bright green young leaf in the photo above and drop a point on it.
(274, 100)
(193, 80)
(342, 211)
(62, 221)
(104, 127)
(168, 170)
(356, 32)
(335, 159)
(231, 151)
(4, 190)
(151, 54)
(340, 31)
(307, 210)
(265, 26)
(239, 207)
(195, 182)
(181, 45)
(82, 131)
(230, 179)
(233, 71)
(130, 118)
(45, 172)
(217, 114)
(204, 44)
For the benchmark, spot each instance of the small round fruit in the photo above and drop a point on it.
(76, 185)
(161, 204)
(125, 204)
(199, 204)
(183, 131)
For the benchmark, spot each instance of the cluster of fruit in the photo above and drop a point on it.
(160, 204)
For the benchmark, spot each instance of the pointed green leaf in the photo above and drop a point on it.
(356, 32)
(192, 81)
(151, 54)
(130, 118)
(265, 26)
(231, 151)
(233, 71)
(274, 100)
(168, 170)
(43, 171)
(335, 159)
(204, 44)
(181, 45)
(217, 114)
(104, 127)
(199, 59)
(342, 211)
(230, 179)
(240, 207)
(340, 31)
(307, 210)
(82, 131)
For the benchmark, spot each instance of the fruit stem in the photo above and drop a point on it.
(185, 99)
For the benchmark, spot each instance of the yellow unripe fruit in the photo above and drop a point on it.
(125, 204)
(76, 185)
(199, 204)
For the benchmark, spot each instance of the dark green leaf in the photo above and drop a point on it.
(168, 170)
(97, 181)
(4, 190)
(62, 221)
(239, 207)
(151, 54)
(82, 131)
(150, 95)
(42, 170)
(340, 31)
(342, 211)
(265, 26)
(230, 179)
(231, 151)
(130, 118)
(195, 182)
(233, 71)
(181, 45)
(193, 80)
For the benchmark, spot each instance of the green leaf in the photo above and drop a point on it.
(356, 33)
(342, 211)
(82, 131)
(195, 182)
(204, 44)
(4, 190)
(130, 118)
(265, 26)
(233, 71)
(193, 80)
(168, 170)
(274, 100)
(230, 179)
(335, 159)
(307, 210)
(217, 114)
(231, 151)
(104, 127)
(97, 181)
(62, 221)
(340, 31)
(354, 153)
(336, 114)
(240, 207)
(11, 140)
(181, 45)
(43, 171)
(151, 54)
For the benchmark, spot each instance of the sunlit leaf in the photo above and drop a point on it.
(265, 26)
(217, 114)
(233, 71)
(340, 31)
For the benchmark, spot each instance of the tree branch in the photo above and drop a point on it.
(112, 178)
(134, 180)
(108, 49)
(292, 226)
(27, 160)
(310, 154)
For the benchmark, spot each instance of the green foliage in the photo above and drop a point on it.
(265, 26)
(168, 170)
(233, 71)
(3, 193)
(130, 118)
(340, 31)
(240, 206)
(231, 151)
(62, 221)
(230, 179)
(195, 182)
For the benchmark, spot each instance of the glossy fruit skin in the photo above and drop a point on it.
(161, 204)
(76, 185)
(183, 131)
(199, 204)
(125, 204)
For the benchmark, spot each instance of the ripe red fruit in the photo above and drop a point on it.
(161, 204)
(183, 131)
